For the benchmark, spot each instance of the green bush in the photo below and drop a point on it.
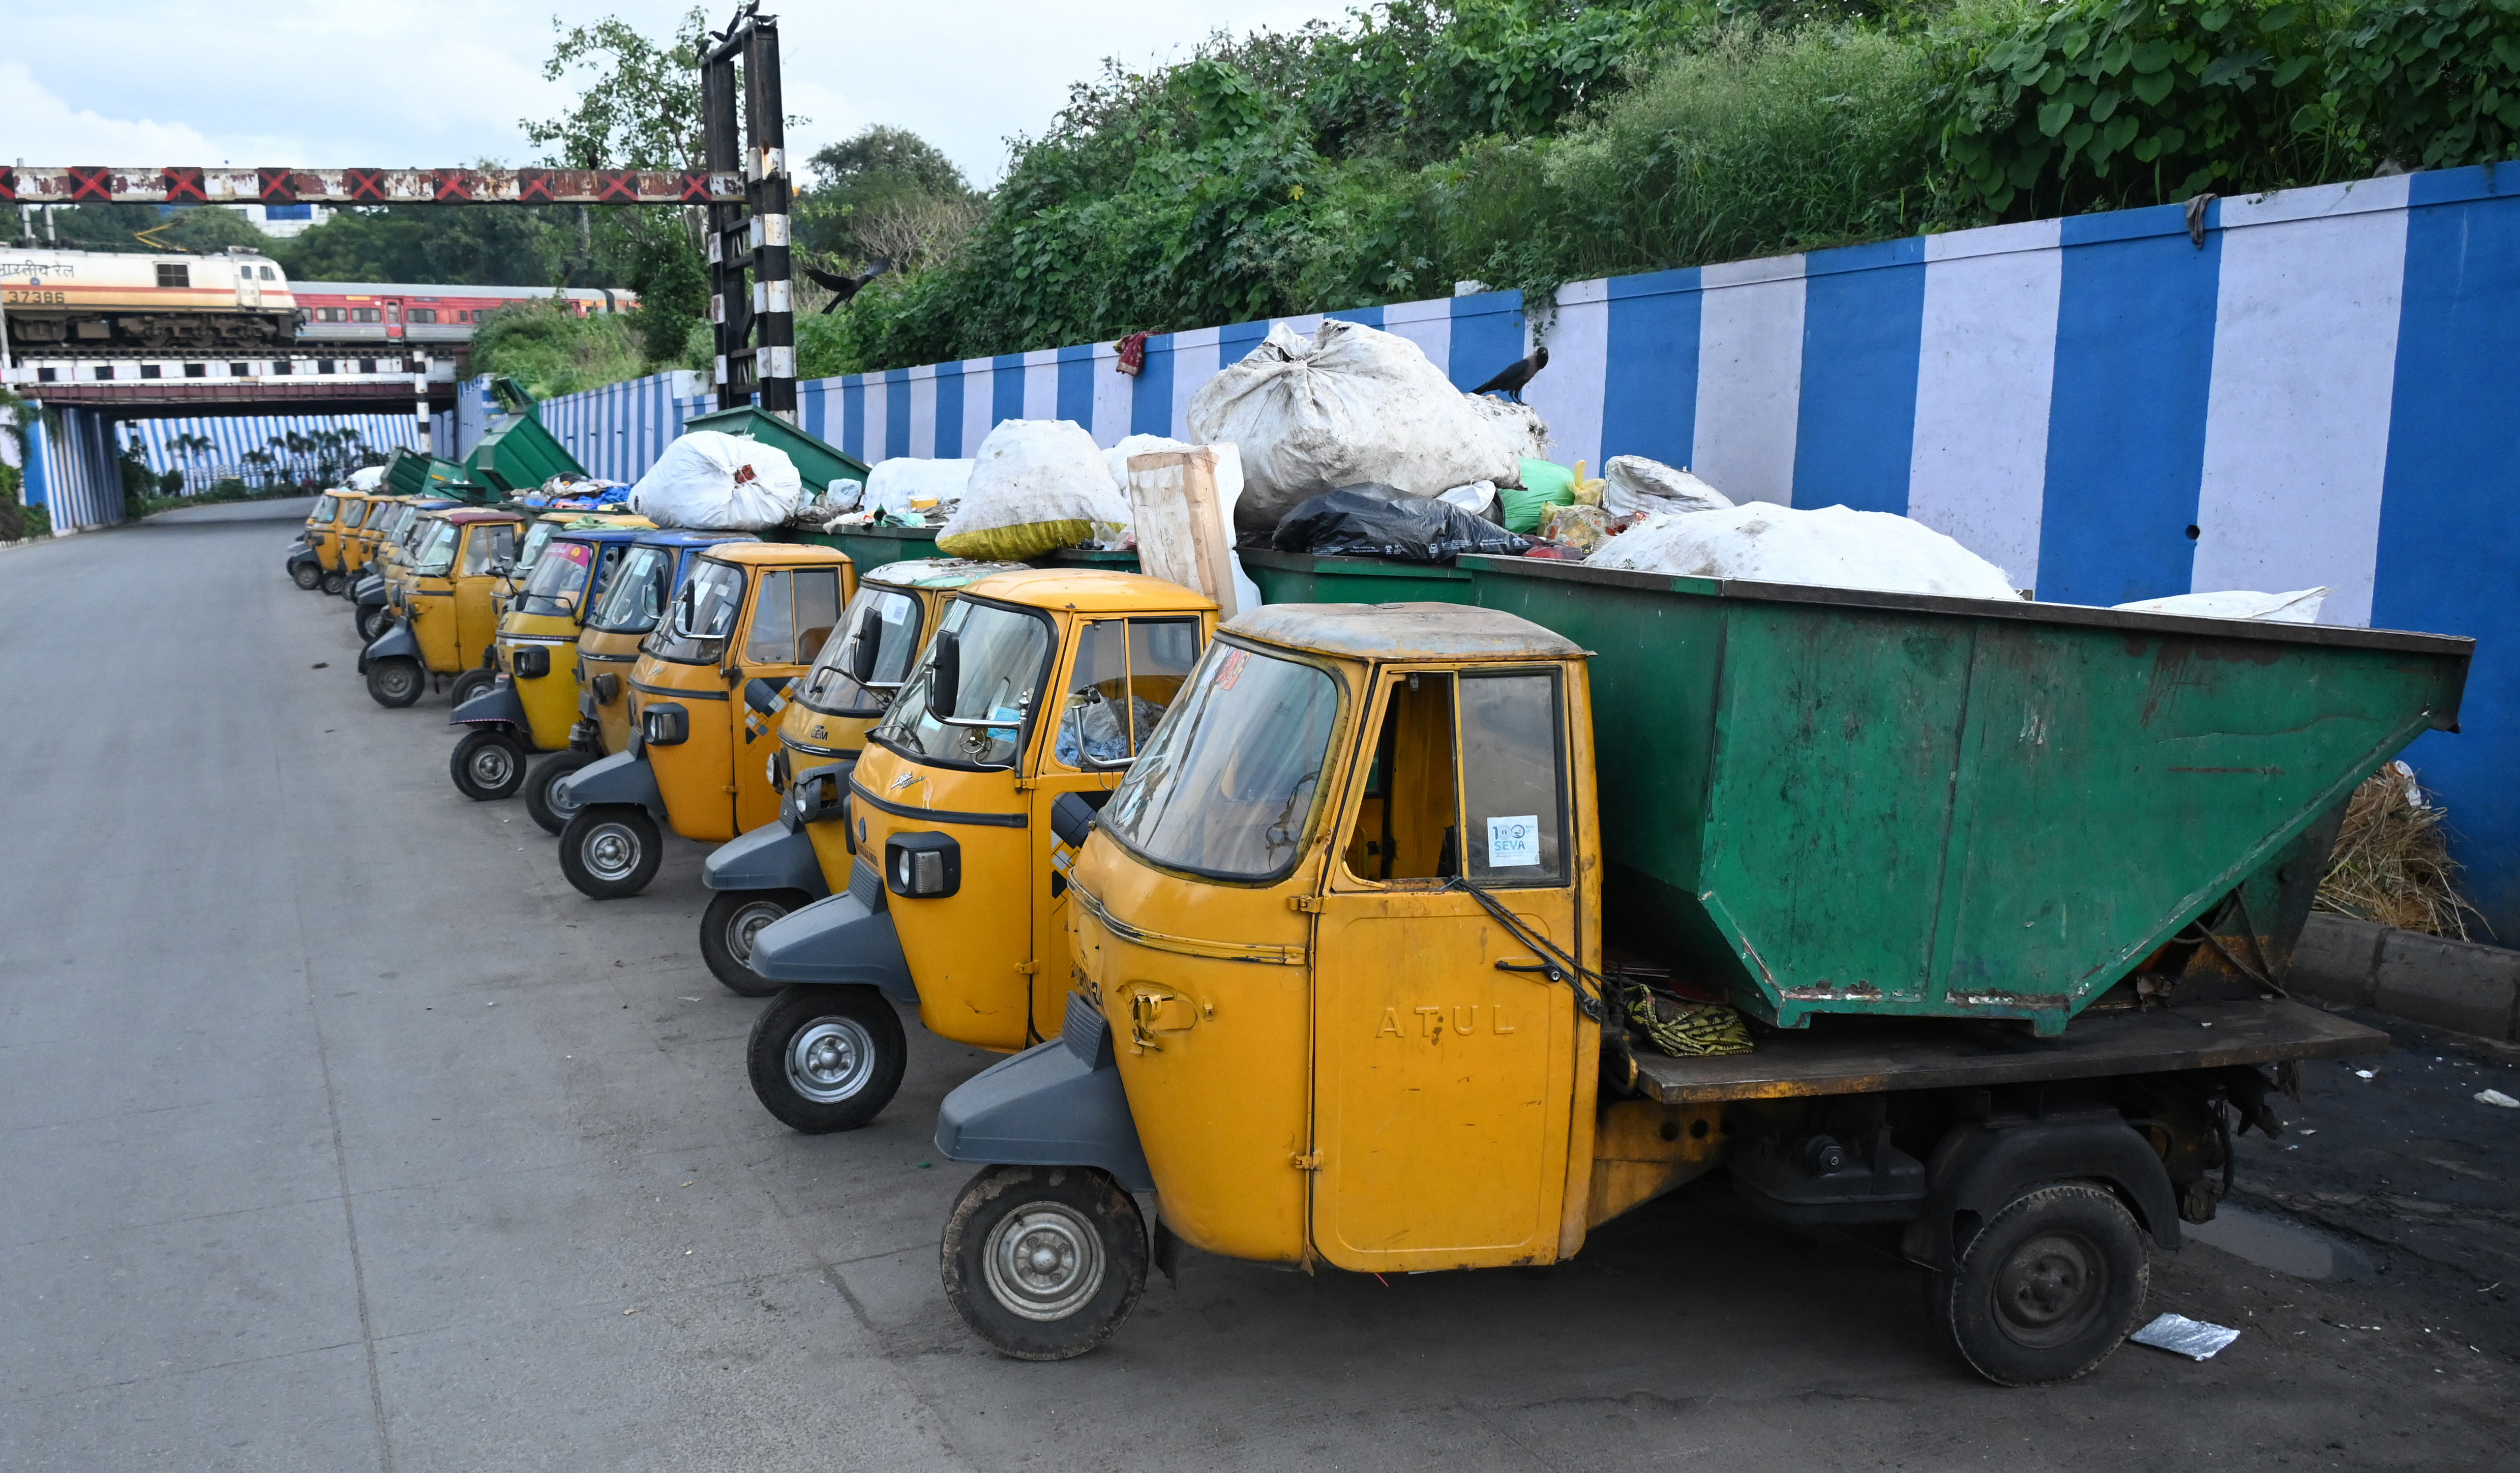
(545, 345)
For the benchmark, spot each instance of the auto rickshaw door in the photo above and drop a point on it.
(486, 544)
(1444, 1054)
(794, 609)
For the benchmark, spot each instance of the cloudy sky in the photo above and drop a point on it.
(403, 83)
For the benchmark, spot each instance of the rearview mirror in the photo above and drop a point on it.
(944, 673)
(862, 653)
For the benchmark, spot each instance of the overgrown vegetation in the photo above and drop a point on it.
(549, 349)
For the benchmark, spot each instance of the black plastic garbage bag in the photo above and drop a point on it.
(1376, 520)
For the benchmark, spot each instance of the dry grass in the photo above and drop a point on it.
(2391, 861)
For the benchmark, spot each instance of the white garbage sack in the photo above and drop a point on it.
(1831, 546)
(1348, 404)
(897, 487)
(2299, 607)
(716, 480)
(1525, 435)
(1037, 485)
(367, 478)
(1638, 484)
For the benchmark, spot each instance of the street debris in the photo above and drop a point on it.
(2496, 1097)
(2193, 1338)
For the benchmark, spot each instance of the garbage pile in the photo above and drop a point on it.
(711, 480)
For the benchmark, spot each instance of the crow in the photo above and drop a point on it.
(1516, 374)
(843, 288)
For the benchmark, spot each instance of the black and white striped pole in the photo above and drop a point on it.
(420, 409)
(766, 191)
(730, 315)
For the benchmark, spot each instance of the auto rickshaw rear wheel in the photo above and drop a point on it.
(308, 575)
(488, 764)
(2046, 1289)
(1044, 1262)
(334, 582)
(610, 850)
(827, 1058)
(727, 929)
(395, 680)
(541, 801)
(470, 684)
(372, 620)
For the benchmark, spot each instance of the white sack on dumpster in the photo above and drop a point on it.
(897, 486)
(1831, 546)
(1037, 485)
(2299, 607)
(1638, 484)
(716, 480)
(367, 478)
(1346, 406)
(1519, 426)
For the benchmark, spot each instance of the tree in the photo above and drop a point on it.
(462, 245)
(886, 193)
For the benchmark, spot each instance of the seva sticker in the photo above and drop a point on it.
(1513, 842)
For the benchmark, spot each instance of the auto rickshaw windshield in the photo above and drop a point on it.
(700, 617)
(538, 535)
(1227, 784)
(891, 620)
(1004, 659)
(635, 595)
(436, 554)
(325, 508)
(559, 581)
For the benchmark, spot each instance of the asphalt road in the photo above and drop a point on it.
(338, 1133)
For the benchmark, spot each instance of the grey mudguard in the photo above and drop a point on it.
(1058, 1104)
(398, 640)
(773, 857)
(370, 592)
(840, 942)
(298, 553)
(622, 777)
(499, 706)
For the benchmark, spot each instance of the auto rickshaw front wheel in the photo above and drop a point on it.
(727, 929)
(470, 684)
(541, 801)
(827, 1058)
(610, 850)
(2046, 1289)
(334, 582)
(488, 764)
(395, 680)
(1044, 1262)
(372, 620)
(308, 575)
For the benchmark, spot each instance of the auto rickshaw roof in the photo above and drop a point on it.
(1403, 631)
(610, 518)
(934, 572)
(600, 534)
(683, 537)
(465, 515)
(758, 554)
(1088, 590)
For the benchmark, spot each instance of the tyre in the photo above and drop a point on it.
(610, 850)
(2048, 1288)
(1044, 1262)
(726, 935)
(308, 575)
(470, 684)
(827, 1059)
(488, 764)
(373, 620)
(333, 582)
(395, 681)
(541, 802)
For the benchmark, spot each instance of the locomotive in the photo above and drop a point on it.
(69, 300)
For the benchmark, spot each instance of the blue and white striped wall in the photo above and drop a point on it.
(2327, 390)
(232, 436)
(71, 469)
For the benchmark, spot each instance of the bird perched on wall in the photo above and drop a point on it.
(1516, 374)
(843, 288)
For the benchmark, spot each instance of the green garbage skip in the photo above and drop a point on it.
(1828, 801)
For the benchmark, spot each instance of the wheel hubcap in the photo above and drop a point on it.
(396, 680)
(830, 1059)
(746, 924)
(2050, 1288)
(493, 764)
(555, 800)
(611, 851)
(1044, 1261)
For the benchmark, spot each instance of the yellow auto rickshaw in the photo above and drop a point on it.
(444, 618)
(1036, 685)
(306, 561)
(786, 864)
(705, 695)
(531, 704)
(370, 611)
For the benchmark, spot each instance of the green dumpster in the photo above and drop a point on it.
(1831, 801)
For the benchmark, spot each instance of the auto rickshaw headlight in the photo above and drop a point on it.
(665, 725)
(530, 662)
(922, 867)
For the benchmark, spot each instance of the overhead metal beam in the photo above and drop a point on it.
(343, 187)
